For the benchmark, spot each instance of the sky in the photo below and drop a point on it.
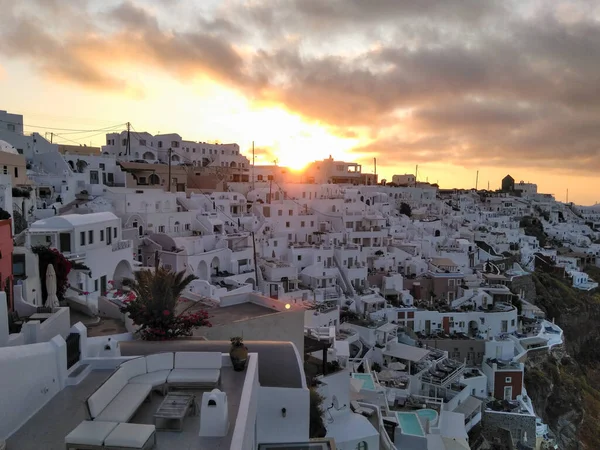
(454, 86)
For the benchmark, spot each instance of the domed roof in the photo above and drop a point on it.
(6, 147)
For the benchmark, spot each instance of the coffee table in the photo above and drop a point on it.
(173, 410)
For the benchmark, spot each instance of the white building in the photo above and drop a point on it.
(93, 240)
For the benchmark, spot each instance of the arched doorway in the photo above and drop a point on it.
(473, 328)
(214, 266)
(154, 179)
(232, 164)
(148, 155)
(123, 270)
(175, 158)
(202, 271)
(251, 281)
(72, 165)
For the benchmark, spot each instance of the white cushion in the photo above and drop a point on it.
(153, 378)
(194, 376)
(90, 433)
(105, 393)
(134, 367)
(129, 435)
(198, 360)
(159, 361)
(126, 403)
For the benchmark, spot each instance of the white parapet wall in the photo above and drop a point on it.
(31, 376)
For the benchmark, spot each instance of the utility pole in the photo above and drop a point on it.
(128, 146)
(253, 160)
(416, 174)
(169, 156)
(567, 195)
(476, 181)
(51, 136)
(375, 164)
(255, 264)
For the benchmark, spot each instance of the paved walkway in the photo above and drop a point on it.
(64, 412)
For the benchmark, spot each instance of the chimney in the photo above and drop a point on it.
(214, 416)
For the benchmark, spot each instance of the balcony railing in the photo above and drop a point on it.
(121, 245)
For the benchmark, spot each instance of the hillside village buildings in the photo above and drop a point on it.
(414, 330)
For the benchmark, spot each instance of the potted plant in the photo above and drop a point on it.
(238, 353)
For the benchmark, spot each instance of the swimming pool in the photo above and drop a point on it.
(367, 379)
(430, 414)
(410, 424)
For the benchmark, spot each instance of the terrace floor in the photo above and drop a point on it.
(47, 429)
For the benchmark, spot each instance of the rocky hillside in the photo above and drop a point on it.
(565, 385)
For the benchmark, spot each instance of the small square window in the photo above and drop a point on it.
(508, 380)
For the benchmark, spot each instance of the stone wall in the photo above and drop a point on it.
(526, 284)
(520, 426)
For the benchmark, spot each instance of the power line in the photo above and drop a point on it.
(60, 129)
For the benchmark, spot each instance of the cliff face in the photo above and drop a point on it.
(565, 385)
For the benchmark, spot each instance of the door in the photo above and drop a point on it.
(103, 284)
(427, 326)
(65, 242)
(274, 291)
(507, 392)
(446, 325)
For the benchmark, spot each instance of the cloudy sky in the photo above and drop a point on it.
(454, 86)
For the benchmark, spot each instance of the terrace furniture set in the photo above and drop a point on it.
(116, 401)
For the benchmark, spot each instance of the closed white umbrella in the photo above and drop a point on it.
(52, 299)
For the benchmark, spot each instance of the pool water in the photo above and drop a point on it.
(367, 379)
(430, 414)
(410, 424)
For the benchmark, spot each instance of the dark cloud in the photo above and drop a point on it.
(465, 81)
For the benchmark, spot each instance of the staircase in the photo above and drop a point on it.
(346, 285)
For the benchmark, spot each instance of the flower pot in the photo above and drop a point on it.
(239, 356)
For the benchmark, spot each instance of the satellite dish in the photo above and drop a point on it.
(336, 403)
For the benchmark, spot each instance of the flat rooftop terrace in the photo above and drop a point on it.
(49, 426)
(224, 315)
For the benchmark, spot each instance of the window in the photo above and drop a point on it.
(174, 144)
(312, 223)
(508, 380)
(274, 243)
(142, 141)
(101, 235)
(115, 232)
(94, 177)
(82, 238)
(5, 170)
(102, 166)
(11, 127)
(134, 224)
(159, 144)
(16, 172)
(91, 236)
(280, 212)
(299, 257)
(291, 212)
(124, 141)
(161, 229)
(95, 285)
(287, 224)
(187, 227)
(259, 178)
(302, 223)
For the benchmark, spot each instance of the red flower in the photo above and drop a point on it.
(166, 312)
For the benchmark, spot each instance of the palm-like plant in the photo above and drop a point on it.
(154, 308)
